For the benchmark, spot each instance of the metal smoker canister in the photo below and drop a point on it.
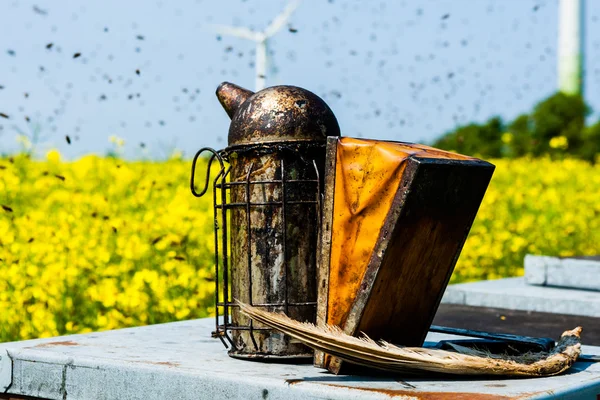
(276, 149)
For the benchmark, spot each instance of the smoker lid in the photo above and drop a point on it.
(276, 114)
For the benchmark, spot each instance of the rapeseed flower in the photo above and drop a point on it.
(102, 243)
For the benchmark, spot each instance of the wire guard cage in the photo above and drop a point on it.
(267, 204)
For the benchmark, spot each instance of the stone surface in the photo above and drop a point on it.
(515, 294)
(577, 273)
(536, 269)
(181, 361)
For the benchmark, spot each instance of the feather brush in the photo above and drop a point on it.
(388, 357)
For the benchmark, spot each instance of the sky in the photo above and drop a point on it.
(147, 70)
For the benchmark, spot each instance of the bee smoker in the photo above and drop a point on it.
(268, 213)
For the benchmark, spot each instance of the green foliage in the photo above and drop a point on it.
(590, 148)
(475, 139)
(556, 127)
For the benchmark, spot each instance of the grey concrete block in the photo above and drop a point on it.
(38, 374)
(453, 296)
(5, 371)
(574, 273)
(535, 269)
(515, 294)
(577, 273)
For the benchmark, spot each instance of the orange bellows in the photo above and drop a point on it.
(395, 217)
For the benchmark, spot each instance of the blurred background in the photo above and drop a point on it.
(146, 71)
(104, 103)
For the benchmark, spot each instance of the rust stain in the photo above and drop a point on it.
(167, 363)
(63, 343)
(429, 395)
(532, 394)
(293, 381)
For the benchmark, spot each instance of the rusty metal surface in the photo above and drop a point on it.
(267, 215)
(265, 205)
(180, 361)
(276, 114)
(232, 96)
(273, 249)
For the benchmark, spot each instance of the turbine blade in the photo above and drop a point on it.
(282, 18)
(237, 31)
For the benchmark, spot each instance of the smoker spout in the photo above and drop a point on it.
(232, 96)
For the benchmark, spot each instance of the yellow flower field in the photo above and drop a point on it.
(103, 243)
(535, 206)
(100, 244)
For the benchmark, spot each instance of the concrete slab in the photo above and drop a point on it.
(516, 294)
(181, 361)
(577, 273)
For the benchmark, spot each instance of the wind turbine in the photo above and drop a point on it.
(261, 39)
(571, 46)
